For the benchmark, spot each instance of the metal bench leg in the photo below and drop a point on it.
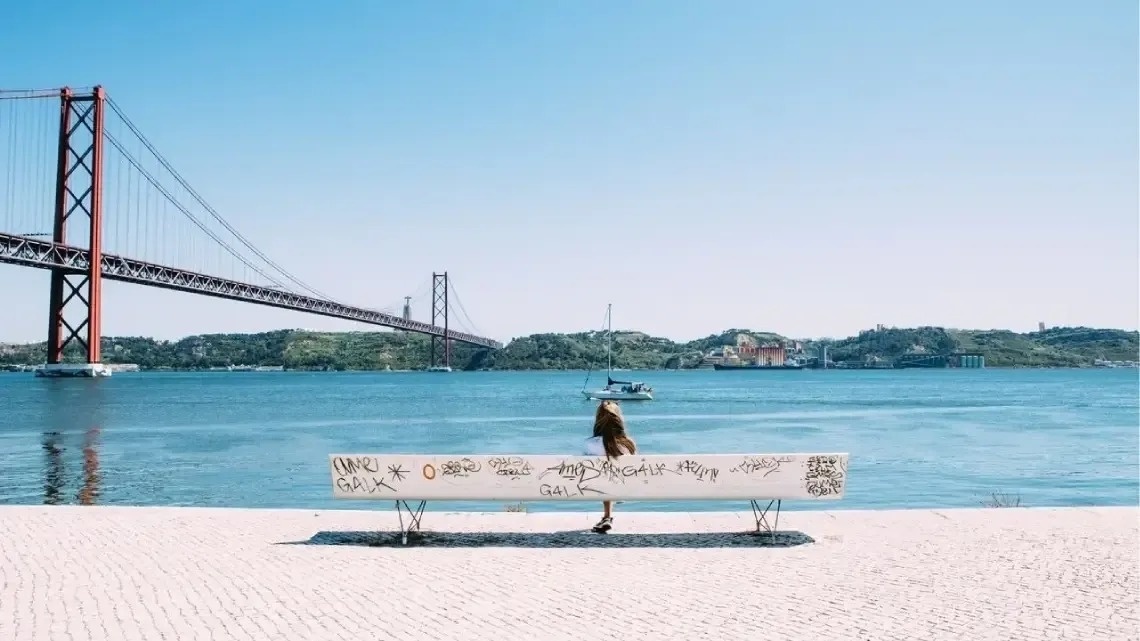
(414, 517)
(761, 516)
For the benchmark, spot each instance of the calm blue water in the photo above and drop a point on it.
(938, 438)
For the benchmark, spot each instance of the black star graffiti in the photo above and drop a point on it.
(397, 472)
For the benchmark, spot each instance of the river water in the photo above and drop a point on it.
(917, 438)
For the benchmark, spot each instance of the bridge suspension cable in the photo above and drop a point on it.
(32, 94)
(205, 205)
(454, 294)
(186, 212)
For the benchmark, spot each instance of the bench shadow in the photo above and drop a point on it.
(563, 539)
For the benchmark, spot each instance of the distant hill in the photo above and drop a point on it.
(1056, 347)
(299, 349)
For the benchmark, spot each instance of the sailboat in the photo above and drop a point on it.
(616, 390)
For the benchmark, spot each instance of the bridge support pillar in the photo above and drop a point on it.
(440, 345)
(76, 303)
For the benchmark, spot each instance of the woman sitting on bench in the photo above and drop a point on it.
(609, 440)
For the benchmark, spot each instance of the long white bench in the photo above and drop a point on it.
(405, 478)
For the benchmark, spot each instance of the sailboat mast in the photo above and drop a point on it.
(609, 341)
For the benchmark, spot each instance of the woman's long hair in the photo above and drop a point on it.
(610, 425)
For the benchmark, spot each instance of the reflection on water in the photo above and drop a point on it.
(68, 411)
(53, 468)
(90, 490)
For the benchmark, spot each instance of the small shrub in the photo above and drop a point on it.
(998, 499)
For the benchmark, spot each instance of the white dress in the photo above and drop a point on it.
(595, 447)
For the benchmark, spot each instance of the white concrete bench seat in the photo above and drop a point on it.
(405, 478)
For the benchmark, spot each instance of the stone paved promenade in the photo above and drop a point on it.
(110, 573)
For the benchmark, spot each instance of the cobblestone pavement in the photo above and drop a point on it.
(111, 573)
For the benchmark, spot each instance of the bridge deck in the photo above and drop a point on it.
(43, 254)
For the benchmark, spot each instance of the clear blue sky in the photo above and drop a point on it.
(806, 168)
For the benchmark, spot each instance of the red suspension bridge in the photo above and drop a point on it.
(119, 211)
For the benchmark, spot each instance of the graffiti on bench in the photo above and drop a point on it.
(553, 477)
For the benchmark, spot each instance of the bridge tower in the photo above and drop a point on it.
(440, 346)
(75, 308)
